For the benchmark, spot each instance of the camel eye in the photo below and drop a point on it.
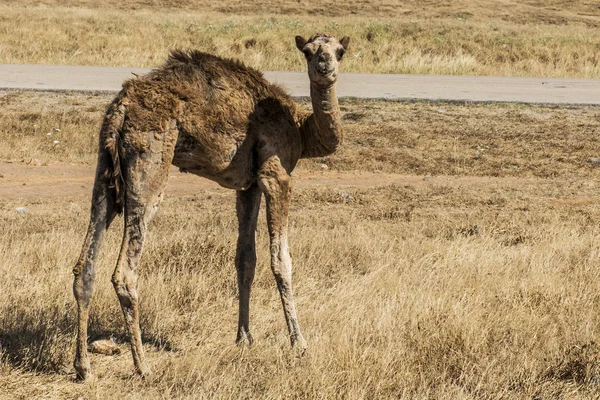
(340, 54)
(307, 53)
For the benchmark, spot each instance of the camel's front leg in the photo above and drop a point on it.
(275, 182)
(248, 205)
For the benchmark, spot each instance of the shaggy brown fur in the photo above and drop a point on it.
(221, 120)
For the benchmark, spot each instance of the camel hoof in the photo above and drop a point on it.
(300, 346)
(83, 372)
(144, 372)
(244, 339)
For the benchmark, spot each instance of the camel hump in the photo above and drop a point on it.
(189, 64)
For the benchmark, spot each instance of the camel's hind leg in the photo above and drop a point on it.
(146, 176)
(275, 182)
(102, 214)
(247, 205)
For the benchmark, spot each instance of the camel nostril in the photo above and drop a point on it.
(324, 57)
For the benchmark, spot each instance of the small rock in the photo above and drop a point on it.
(595, 161)
(104, 346)
(324, 167)
(346, 197)
(441, 111)
(56, 130)
(22, 210)
(428, 178)
(56, 142)
(49, 134)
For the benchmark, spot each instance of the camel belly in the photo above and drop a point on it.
(223, 160)
(230, 179)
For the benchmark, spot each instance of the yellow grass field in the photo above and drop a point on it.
(454, 255)
(446, 251)
(549, 38)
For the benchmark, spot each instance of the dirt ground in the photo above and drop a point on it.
(19, 181)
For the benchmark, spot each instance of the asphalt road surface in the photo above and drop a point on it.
(375, 86)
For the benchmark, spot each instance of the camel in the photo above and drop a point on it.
(220, 120)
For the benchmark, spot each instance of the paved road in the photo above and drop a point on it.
(429, 87)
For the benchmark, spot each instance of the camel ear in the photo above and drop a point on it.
(344, 42)
(300, 42)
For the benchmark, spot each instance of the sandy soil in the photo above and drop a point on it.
(20, 181)
(56, 181)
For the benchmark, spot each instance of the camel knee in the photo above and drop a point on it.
(127, 298)
(276, 186)
(78, 269)
(126, 291)
(282, 276)
(78, 287)
(281, 261)
(82, 291)
(273, 178)
(83, 282)
(245, 266)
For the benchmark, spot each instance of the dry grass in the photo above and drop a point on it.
(444, 288)
(420, 138)
(558, 12)
(556, 39)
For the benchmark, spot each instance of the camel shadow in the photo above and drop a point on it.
(36, 341)
(44, 342)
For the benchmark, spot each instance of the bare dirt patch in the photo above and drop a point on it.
(69, 181)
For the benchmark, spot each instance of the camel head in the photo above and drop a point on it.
(323, 54)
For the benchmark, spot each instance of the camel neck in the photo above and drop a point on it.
(324, 99)
(322, 132)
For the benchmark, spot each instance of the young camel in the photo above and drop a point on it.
(221, 120)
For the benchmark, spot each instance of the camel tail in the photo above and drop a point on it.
(110, 137)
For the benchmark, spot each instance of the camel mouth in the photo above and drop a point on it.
(323, 70)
